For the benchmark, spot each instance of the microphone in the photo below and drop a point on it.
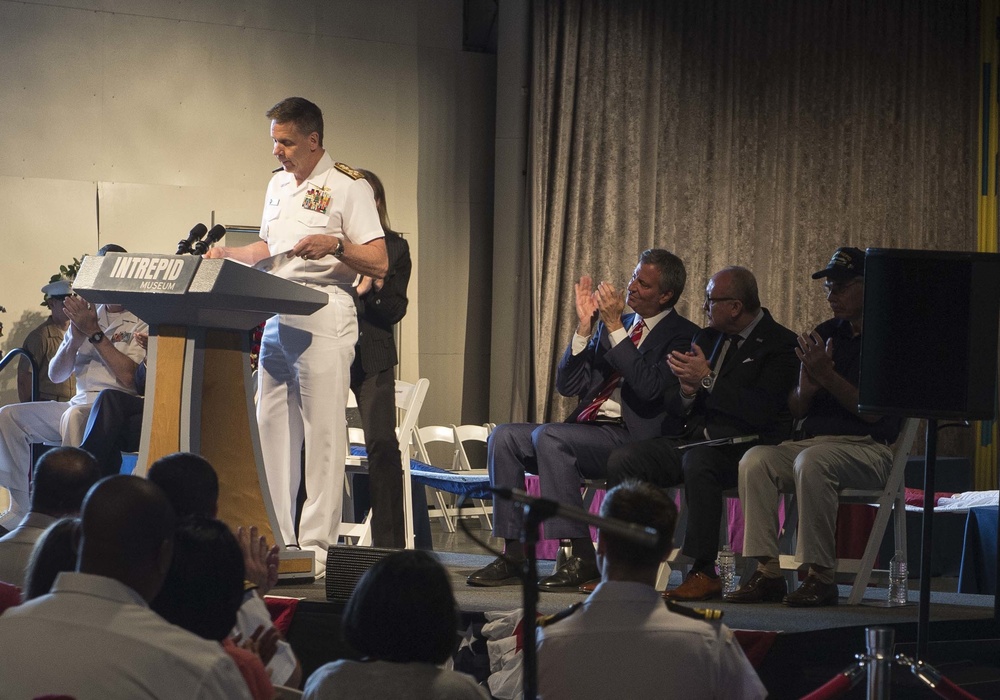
(216, 232)
(640, 534)
(197, 232)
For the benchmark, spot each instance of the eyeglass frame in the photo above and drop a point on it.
(838, 288)
(710, 301)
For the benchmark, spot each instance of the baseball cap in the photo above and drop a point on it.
(845, 264)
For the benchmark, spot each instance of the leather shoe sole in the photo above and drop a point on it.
(759, 589)
(697, 586)
(574, 573)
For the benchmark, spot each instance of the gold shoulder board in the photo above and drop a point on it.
(348, 171)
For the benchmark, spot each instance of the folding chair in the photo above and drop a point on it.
(890, 500)
(409, 399)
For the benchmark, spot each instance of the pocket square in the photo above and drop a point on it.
(749, 359)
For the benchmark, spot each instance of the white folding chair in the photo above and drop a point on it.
(409, 398)
(478, 434)
(890, 500)
(429, 435)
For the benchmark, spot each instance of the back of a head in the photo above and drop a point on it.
(110, 248)
(743, 286)
(643, 504)
(54, 552)
(125, 521)
(190, 483)
(204, 586)
(403, 610)
(61, 478)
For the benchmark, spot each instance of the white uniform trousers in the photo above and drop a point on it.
(814, 469)
(21, 424)
(305, 374)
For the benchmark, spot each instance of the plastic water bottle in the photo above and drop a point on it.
(727, 569)
(898, 592)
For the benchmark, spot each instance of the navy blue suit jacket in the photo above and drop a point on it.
(646, 378)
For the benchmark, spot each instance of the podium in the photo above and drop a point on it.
(199, 392)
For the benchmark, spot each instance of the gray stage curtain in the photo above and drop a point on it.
(762, 133)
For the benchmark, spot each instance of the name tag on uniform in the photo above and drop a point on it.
(317, 199)
(273, 202)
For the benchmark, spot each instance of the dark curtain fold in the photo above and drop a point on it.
(762, 133)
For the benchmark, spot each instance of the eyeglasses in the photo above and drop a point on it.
(838, 287)
(709, 301)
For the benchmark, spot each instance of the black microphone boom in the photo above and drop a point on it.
(202, 246)
(197, 232)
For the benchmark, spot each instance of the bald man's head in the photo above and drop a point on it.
(61, 478)
(127, 527)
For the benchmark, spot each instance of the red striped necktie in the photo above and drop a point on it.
(589, 414)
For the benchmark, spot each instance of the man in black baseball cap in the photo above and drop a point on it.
(835, 448)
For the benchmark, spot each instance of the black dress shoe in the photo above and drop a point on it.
(759, 589)
(500, 572)
(572, 574)
(813, 593)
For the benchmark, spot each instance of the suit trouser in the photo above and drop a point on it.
(561, 454)
(304, 369)
(706, 473)
(22, 424)
(376, 395)
(114, 426)
(815, 469)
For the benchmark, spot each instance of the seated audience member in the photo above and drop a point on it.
(616, 366)
(734, 380)
(402, 619)
(624, 641)
(192, 487)
(101, 349)
(54, 553)
(94, 635)
(836, 448)
(42, 344)
(61, 479)
(204, 589)
(115, 422)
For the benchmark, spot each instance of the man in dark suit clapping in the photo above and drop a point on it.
(734, 381)
(616, 366)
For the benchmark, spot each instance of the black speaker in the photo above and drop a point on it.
(929, 345)
(346, 564)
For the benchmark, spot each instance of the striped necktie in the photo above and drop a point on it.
(589, 414)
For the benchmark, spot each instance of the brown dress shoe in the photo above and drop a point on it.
(758, 589)
(813, 593)
(589, 586)
(697, 586)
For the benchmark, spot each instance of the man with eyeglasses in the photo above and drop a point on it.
(734, 382)
(616, 366)
(835, 448)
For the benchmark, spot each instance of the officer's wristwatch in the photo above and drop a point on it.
(339, 250)
(708, 381)
(97, 337)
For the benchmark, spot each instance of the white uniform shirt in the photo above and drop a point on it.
(92, 375)
(327, 202)
(16, 547)
(95, 638)
(624, 643)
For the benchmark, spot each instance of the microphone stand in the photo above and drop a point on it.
(537, 511)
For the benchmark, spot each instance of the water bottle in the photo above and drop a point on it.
(727, 569)
(897, 579)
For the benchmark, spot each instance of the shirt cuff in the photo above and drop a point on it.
(579, 343)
